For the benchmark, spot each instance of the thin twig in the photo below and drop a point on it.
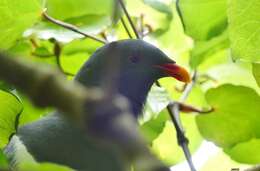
(126, 28)
(71, 27)
(173, 108)
(179, 12)
(142, 25)
(129, 19)
(189, 87)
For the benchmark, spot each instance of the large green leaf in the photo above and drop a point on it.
(236, 116)
(204, 19)
(244, 29)
(69, 9)
(246, 152)
(205, 49)
(10, 109)
(15, 17)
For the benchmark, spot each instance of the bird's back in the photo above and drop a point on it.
(54, 139)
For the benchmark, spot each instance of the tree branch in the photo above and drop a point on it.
(174, 111)
(71, 27)
(44, 85)
(48, 87)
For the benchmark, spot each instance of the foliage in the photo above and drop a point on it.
(217, 38)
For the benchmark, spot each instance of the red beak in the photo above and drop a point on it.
(175, 71)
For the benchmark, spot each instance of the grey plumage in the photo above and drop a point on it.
(55, 139)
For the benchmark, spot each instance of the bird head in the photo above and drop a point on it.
(132, 66)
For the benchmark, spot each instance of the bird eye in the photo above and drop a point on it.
(134, 58)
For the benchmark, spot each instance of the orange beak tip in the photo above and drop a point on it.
(176, 71)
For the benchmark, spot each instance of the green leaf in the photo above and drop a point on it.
(91, 17)
(173, 42)
(72, 63)
(238, 73)
(204, 19)
(10, 109)
(244, 29)
(236, 115)
(155, 116)
(87, 46)
(76, 53)
(156, 17)
(159, 6)
(3, 161)
(256, 72)
(154, 127)
(15, 17)
(205, 49)
(218, 58)
(157, 100)
(70, 9)
(246, 152)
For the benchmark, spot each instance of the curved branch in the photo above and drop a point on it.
(71, 27)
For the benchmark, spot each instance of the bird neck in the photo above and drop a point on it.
(134, 87)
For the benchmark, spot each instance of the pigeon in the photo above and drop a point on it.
(130, 67)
